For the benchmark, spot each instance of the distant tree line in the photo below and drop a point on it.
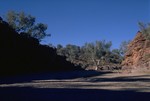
(98, 53)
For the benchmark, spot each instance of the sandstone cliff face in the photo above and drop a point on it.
(138, 54)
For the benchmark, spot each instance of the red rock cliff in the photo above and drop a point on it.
(138, 54)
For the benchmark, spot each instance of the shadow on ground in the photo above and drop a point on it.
(26, 93)
(63, 94)
(121, 79)
(50, 76)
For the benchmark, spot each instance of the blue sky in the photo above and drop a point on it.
(80, 21)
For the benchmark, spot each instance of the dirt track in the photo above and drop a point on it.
(76, 87)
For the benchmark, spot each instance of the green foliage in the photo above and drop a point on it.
(97, 50)
(124, 47)
(60, 50)
(91, 54)
(25, 24)
(116, 56)
(145, 29)
(72, 52)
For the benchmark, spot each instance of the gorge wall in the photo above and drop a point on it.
(138, 54)
(21, 54)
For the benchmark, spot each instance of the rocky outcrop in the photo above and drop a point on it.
(138, 54)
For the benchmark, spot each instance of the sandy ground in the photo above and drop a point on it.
(76, 86)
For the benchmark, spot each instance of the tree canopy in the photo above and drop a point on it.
(145, 29)
(91, 54)
(124, 47)
(25, 24)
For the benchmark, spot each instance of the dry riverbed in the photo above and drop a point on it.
(91, 86)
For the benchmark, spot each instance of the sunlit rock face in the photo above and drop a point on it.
(138, 54)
